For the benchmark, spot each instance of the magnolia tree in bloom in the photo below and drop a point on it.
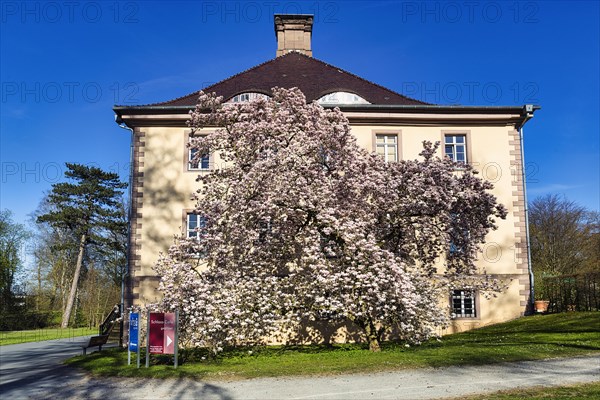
(304, 225)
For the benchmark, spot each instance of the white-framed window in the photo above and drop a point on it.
(387, 147)
(203, 163)
(195, 224)
(463, 303)
(342, 98)
(246, 97)
(455, 147)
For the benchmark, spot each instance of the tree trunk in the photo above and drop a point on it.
(372, 337)
(39, 287)
(62, 285)
(71, 300)
(372, 334)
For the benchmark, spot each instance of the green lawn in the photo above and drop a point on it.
(37, 335)
(572, 392)
(530, 338)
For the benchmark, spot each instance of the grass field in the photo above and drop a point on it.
(531, 338)
(37, 335)
(571, 392)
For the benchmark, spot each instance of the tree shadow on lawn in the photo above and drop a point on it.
(201, 354)
(526, 339)
(113, 362)
(576, 322)
(67, 382)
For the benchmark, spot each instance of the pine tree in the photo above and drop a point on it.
(88, 206)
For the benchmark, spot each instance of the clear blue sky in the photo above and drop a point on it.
(65, 64)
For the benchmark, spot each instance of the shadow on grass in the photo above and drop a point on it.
(580, 322)
(514, 341)
(35, 371)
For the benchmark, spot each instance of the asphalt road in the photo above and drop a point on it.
(34, 371)
(27, 365)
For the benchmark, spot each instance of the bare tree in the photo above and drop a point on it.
(562, 235)
(12, 238)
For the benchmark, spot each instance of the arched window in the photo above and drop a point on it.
(247, 96)
(342, 98)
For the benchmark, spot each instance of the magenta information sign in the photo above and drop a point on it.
(162, 333)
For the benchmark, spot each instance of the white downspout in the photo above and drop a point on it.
(129, 210)
(523, 175)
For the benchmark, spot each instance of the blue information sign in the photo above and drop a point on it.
(134, 320)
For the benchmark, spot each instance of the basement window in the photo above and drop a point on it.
(463, 304)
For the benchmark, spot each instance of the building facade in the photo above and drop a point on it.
(383, 121)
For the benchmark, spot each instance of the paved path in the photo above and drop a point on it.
(30, 371)
(28, 365)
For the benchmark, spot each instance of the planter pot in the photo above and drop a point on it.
(541, 306)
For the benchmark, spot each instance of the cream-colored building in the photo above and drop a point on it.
(383, 121)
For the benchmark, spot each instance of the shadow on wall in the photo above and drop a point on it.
(160, 191)
(509, 265)
(323, 333)
(164, 193)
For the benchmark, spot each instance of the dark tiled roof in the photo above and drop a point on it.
(314, 77)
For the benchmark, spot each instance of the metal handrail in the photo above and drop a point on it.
(107, 325)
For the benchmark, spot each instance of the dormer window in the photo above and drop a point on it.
(342, 98)
(246, 97)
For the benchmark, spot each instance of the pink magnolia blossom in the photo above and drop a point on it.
(303, 224)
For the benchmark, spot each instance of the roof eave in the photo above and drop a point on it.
(132, 110)
(417, 115)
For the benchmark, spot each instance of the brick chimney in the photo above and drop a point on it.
(294, 33)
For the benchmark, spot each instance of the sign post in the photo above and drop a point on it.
(138, 342)
(176, 336)
(129, 346)
(148, 340)
(134, 337)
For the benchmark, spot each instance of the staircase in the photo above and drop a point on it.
(112, 325)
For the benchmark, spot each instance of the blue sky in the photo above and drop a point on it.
(65, 64)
